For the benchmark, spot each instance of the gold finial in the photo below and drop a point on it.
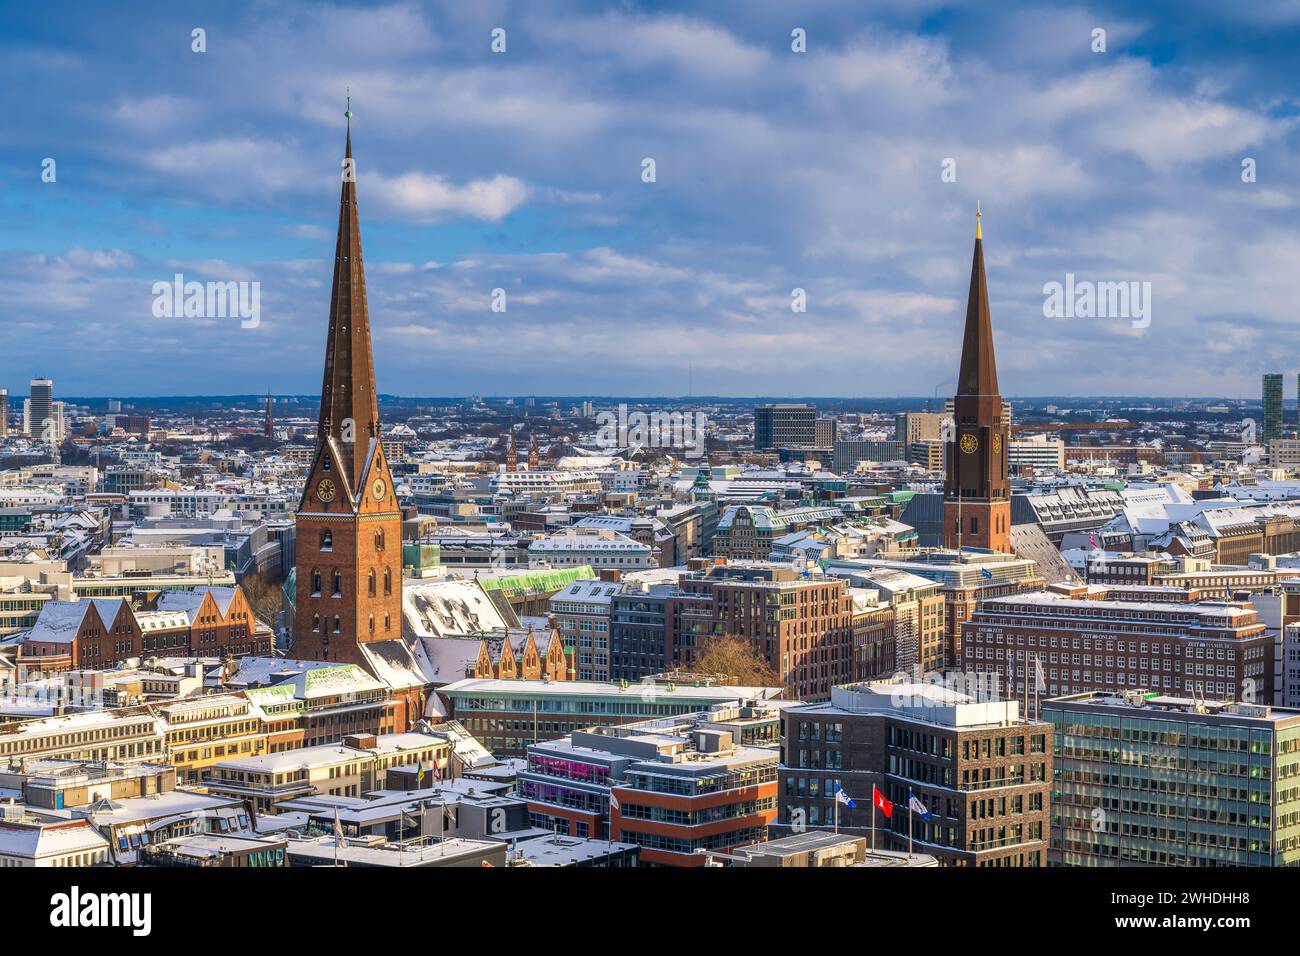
(979, 233)
(348, 113)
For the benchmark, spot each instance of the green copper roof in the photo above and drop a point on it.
(538, 582)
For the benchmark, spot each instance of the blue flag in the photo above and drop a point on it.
(986, 572)
(844, 798)
(916, 806)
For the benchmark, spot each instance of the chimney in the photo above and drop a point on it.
(613, 575)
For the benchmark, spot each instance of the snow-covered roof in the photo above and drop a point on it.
(39, 841)
(449, 608)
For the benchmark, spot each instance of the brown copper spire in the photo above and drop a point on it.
(979, 373)
(349, 410)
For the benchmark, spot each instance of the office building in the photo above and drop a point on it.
(749, 531)
(1074, 643)
(912, 427)
(965, 579)
(802, 626)
(1271, 427)
(677, 788)
(638, 631)
(779, 425)
(847, 454)
(1151, 779)
(581, 615)
(983, 772)
(1037, 452)
(508, 716)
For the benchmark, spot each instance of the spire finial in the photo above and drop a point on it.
(348, 111)
(979, 233)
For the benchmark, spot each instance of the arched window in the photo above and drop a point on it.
(338, 583)
(372, 624)
(315, 581)
(338, 625)
(379, 541)
(388, 581)
(370, 583)
(327, 540)
(388, 622)
(315, 622)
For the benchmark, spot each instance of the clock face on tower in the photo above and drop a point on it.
(968, 444)
(379, 489)
(325, 491)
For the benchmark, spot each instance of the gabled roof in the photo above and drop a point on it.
(59, 621)
(189, 602)
(399, 662)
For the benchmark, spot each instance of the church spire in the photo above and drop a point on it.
(977, 490)
(349, 410)
(979, 373)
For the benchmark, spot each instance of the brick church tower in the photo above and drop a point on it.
(349, 527)
(977, 492)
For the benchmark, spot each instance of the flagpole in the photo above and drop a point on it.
(837, 813)
(910, 813)
(873, 819)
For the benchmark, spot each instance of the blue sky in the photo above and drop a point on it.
(775, 171)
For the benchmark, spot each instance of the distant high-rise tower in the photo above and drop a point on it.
(269, 428)
(534, 458)
(1272, 425)
(4, 412)
(349, 527)
(977, 492)
(43, 421)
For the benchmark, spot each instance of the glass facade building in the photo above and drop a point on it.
(1145, 780)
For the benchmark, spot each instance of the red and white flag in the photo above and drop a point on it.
(881, 802)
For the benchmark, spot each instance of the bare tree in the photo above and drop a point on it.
(736, 660)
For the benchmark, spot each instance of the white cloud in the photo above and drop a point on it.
(427, 197)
